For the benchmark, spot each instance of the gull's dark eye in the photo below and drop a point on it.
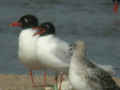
(71, 47)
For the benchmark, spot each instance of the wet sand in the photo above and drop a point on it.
(23, 82)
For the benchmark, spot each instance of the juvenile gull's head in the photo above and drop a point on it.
(79, 48)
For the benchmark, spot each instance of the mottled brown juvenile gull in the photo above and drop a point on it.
(85, 75)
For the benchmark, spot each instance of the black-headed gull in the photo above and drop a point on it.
(52, 52)
(85, 75)
(26, 46)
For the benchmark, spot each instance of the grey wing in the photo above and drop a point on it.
(107, 68)
(104, 79)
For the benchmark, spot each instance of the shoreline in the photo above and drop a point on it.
(23, 82)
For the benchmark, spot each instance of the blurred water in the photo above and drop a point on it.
(91, 21)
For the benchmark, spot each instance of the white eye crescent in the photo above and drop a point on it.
(26, 20)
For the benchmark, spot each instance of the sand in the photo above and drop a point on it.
(23, 82)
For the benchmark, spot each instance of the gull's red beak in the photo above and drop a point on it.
(36, 28)
(39, 31)
(15, 24)
(115, 9)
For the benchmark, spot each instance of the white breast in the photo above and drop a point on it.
(26, 50)
(78, 76)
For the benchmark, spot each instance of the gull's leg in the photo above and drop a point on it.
(31, 77)
(56, 81)
(56, 78)
(45, 79)
(61, 79)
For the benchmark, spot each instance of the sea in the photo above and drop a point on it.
(92, 21)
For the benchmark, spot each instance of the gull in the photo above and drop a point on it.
(85, 75)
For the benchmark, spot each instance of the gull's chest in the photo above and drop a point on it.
(45, 45)
(27, 44)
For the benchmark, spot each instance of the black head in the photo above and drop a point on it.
(49, 28)
(26, 21)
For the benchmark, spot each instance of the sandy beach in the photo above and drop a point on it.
(23, 82)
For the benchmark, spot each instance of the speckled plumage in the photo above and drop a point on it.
(85, 75)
